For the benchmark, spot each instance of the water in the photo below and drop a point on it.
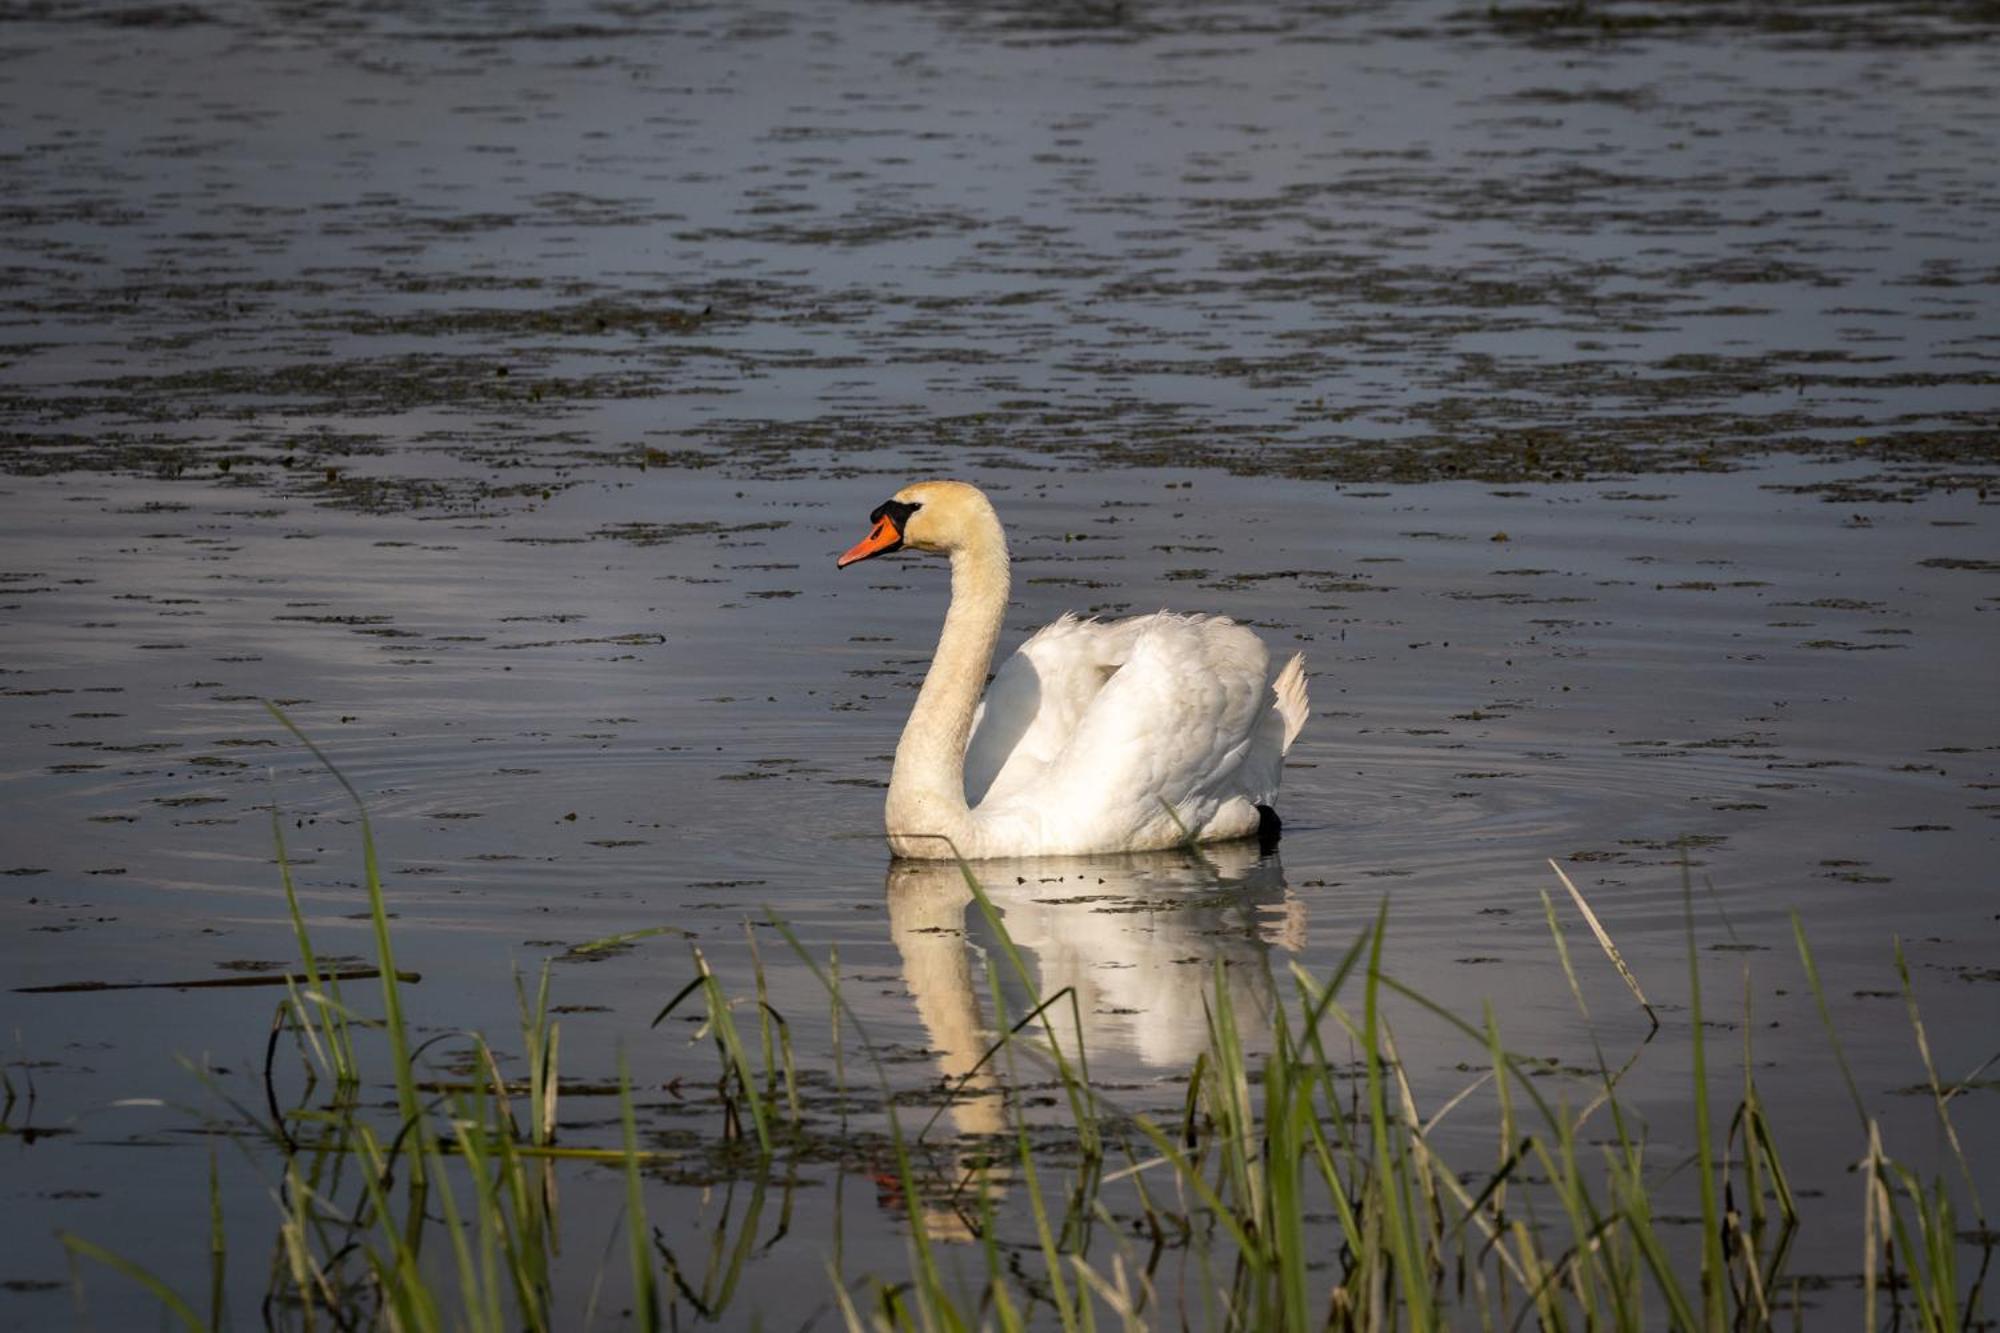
(1607, 412)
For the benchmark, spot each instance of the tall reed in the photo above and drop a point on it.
(1302, 1182)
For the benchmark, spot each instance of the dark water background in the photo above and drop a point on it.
(1604, 398)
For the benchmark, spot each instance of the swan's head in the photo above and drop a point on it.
(925, 516)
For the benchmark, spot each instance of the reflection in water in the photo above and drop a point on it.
(1137, 936)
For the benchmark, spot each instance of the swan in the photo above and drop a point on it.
(1095, 736)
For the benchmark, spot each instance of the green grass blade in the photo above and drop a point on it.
(168, 1298)
(645, 1296)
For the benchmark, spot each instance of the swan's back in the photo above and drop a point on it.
(1092, 730)
(1037, 699)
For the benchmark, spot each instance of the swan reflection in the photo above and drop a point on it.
(1136, 935)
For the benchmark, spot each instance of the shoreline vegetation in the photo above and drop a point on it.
(1300, 1187)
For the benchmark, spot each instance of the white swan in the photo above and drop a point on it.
(1131, 735)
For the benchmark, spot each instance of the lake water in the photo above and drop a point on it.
(1607, 402)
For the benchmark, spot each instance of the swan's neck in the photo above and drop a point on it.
(927, 787)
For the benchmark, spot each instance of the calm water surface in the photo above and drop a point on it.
(1606, 408)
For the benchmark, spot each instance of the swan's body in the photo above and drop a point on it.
(1128, 735)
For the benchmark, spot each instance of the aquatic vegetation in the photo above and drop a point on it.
(1297, 1186)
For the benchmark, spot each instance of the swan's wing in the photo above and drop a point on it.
(1170, 728)
(1035, 702)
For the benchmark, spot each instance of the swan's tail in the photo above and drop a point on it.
(1277, 727)
(1293, 704)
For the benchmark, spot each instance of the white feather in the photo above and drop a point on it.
(1131, 733)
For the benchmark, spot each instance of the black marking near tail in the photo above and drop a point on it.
(1269, 827)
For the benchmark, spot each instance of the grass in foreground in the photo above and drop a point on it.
(1300, 1188)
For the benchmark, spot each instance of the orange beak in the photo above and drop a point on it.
(884, 536)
